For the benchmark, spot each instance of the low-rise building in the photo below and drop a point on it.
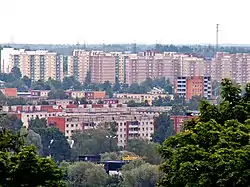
(149, 98)
(9, 92)
(130, 126)
(86, 94)
(39, 93)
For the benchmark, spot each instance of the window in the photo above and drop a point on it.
(72, 125)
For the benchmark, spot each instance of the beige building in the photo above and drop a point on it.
(130, 126)
(169, 65)
(102, 67)
(233, 66)
(143, 97)
(120, 65)
(79, 65)
(38, 65)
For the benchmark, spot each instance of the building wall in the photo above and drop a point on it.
(58, 122)
(102, 67)
(141, 97)
(9, 92)
(179, 120)
(5, 58)
(38, 65)
(233, 66)
(194, 86)
(169, 65)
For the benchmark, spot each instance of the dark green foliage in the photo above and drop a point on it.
(214, 149)
(164, 128)
(11, 122)
(94, 141)
(194, 102)
(54, 142)
(147, 150)
(16, 72)
(21, 166)
(57, 94)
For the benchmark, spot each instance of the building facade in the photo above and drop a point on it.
(129, 126)
(38, 65)
(194, 86)
(102, 67)
(233, 66)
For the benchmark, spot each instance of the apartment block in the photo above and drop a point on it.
(120, 66)
(143, 97)
(78, 65)
(233, 66)
(129, 126)
(102, 67)
(38, 65)
(86, 94)
(169, 65)
(194, 86)
(5, 53)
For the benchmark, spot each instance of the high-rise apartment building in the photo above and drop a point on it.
(233, 66)
(156, 65)
(5, 58)
(78, 64)
(194, 86)
(102, 67)
(38, 65)
(120, 66)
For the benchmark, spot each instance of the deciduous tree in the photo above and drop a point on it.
(214, 149)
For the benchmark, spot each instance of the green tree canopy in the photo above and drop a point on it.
(57, 94)
(145, 149)
(145, 175)
(54, 142)
(11, 122)
(86, 174)
(21, 166)
(94, 141)
(214, 149)
(16, 72)
(164, 128)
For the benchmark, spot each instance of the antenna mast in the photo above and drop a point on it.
(217, 37)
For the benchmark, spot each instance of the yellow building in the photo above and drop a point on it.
(38, 65)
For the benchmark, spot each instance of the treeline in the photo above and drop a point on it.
(203, 50)
(15, 80)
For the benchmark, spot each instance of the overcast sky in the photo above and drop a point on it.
(124, 21)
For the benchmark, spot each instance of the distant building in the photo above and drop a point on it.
(5, 58)
(194, 86)
(233, 66)
(9, 92)
(89, 95)
(39, 93)
(179, 120)
(102, 67)
(129, 126)
(149, 98)
(37, 65)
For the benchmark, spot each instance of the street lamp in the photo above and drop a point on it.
(110, 137)
(50, 143)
